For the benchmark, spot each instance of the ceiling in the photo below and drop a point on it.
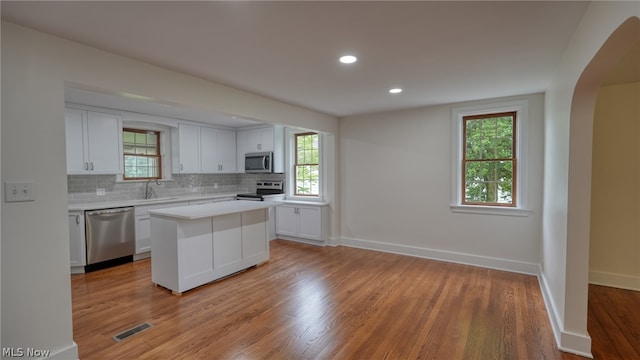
(438, 52)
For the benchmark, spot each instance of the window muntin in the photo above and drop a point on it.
(306, 167)
(142, 158)
(489, 159)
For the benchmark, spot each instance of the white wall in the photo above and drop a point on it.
(36, 293)
(614, 256)
(396, 185)
(569, 106)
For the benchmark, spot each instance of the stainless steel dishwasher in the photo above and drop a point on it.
(110, 234)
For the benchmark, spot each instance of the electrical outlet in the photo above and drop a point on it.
(15, 191)
(100, 191)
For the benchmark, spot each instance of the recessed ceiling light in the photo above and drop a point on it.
(348, 59)
(395, 91)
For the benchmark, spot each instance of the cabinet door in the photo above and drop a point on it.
(254, 140)
(254, 233)
(76, 239)
(226, 151)
(143, 233)
(189, 148)
(266, 135)
(103, 138)
(286, 220)
(227, 245)
(195, 249)
(209, 150)
(75, 129)
(241, 149)
(310, 223)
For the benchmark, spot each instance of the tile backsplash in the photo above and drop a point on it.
(82, 188)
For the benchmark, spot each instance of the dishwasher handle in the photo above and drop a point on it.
(109, 211)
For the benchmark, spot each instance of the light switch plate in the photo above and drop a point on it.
(16, 191)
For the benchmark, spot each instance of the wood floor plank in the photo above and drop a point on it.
(312, 302)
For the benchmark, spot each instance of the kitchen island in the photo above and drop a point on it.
(194, 245)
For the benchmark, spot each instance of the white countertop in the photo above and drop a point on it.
(142, 202)
(210, 210)
(302, 202)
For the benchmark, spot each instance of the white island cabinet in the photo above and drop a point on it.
(194, 245)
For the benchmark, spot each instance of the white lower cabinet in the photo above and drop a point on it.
(77, 246)
(302, 221)
(143, 233)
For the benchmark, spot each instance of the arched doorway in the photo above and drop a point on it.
(585, 93)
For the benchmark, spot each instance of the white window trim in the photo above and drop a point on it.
(290, 165)
(521, 107)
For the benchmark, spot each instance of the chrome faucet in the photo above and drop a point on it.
(148, 190)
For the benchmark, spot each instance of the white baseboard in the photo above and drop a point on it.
(302, 240)
(68, 353)
(449, 256)
(620, 281)
(567, 341)
(334, 241)
(141, 256)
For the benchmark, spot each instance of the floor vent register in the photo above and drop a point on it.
(125, 334)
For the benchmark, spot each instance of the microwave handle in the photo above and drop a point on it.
(265, 162)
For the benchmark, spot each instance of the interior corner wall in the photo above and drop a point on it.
(396, 183)
(614, 254)
(567, 185)
(36, 291)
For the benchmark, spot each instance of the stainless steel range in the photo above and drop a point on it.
(263, 188)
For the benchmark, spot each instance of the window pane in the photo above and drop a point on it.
(307, 180)
(489, 138)
(141, 139)
(128, 137)
(489, 182)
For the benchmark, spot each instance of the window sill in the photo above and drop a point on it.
(143, 181)
(304, 198)
(490, 210)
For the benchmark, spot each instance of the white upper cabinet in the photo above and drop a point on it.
(260, 139)
(209, 150)
(226, 151)
(186, 149)
(202, 149)
(94, 142)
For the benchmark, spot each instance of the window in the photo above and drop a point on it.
(306, 167)
(489, 159)
(142, 159)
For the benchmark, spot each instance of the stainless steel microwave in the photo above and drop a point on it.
(258, 162)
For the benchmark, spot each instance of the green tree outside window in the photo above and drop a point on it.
(489, 159)
(307, 170)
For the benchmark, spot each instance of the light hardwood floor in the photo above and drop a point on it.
(312, 302)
